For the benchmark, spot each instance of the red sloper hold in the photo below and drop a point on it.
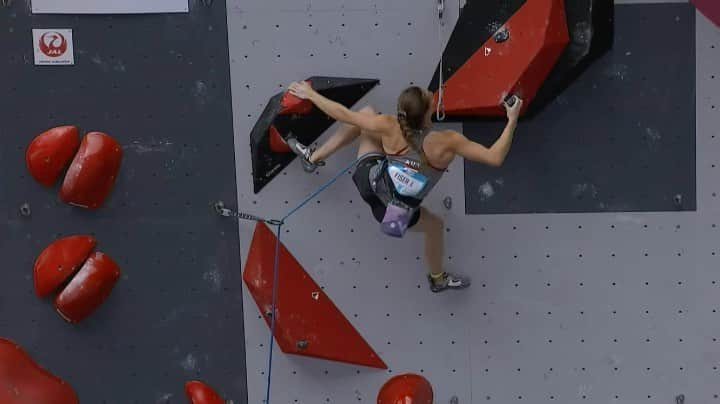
(538, 34)
(22, 381)
(58, 261)
(406, 389)
(307, 322)
(710, 9)
(92, 172)
(88, 289)
(200, 393)
(293, 105)
(50, 152)
(277, 143)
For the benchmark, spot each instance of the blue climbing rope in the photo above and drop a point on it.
(276, 263)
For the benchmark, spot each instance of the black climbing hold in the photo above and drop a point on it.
(511, 100)
(447, 202)
(502, 35)
(678, 201)
(302, 344)
(25, 210)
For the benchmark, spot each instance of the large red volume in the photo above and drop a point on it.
(22, 381)
(88, 289)
(514, 61)
(406, 389)
(92, 172)
(50, 152)
(710, 9)
(200, 393)
(59, 261)
(307, 322)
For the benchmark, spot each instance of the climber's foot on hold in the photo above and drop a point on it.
(305, 153)
(447, 280)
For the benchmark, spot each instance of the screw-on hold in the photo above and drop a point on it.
(680, 399)
(502, 35)
(302, 344)
(454, 400)
(447, 202)
(269, 313)
(678, 200)
(25, 210)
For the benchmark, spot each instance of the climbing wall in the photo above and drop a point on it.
(160, 85)
(565, 308)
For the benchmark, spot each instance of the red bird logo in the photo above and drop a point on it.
(53, 44)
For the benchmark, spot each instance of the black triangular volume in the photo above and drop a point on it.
(266, 164)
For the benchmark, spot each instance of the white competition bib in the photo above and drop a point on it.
(407, 181)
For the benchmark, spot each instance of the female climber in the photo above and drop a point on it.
(400, 160)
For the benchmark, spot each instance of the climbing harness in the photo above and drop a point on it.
(221, 210)
(440, 111)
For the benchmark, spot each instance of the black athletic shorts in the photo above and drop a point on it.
(361, 177)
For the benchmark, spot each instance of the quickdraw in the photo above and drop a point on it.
(221, 210)
(440, 111)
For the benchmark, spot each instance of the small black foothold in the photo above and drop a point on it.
(502, 35)
(447, 202)
(302, 344)
(25, 210)
(678, 200)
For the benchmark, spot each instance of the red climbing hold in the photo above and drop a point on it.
(515, 60)
(406, 389)
(58, 261)
(307, 322)
(277, 143)
(88, 289)
(291, 104)
(92, 172)
(200, 393)
(50, 152)
(22, 381)
(710, 9)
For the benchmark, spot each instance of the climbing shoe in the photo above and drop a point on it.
(448, 281)
(304, 152)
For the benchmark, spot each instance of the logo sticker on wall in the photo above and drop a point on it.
(53, 47)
